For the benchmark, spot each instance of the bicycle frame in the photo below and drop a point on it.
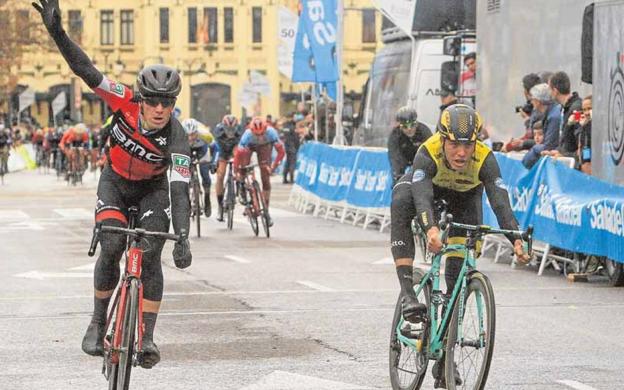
(134, 261)
(437, 327)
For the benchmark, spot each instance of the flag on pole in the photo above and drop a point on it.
(400, 12)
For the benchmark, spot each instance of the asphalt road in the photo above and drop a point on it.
(309, 308)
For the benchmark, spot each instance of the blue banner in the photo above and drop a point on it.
(335, 172)
(372, 182)
(567, 208)
(316, 35)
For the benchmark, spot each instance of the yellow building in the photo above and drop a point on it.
(214, 44)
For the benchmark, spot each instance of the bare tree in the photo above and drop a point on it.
(21, 32)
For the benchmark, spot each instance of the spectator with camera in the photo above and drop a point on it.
(570, 102)
(529, 116)
(543, 102)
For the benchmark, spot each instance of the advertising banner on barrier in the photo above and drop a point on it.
(568, 209)
(336, 166)
(307, 163)
(372, 183)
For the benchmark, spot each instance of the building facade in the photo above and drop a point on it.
(214, 44)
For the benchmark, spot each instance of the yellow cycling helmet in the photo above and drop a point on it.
(460, 122)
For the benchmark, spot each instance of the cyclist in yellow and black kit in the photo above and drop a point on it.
(454, 166)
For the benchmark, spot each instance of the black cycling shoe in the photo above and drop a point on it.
(93, 340)
(220, 213)
(413, 311)
(151, 355)
(438, 373)
(269, 220)
(207, 206)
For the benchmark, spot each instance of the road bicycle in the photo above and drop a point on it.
(4, 162)
(229, 196)
(123, 340)
(253, 200)
(76, 165)
(197, 197)
(459, 333)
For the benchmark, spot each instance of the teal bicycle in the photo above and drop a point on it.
(458, 333)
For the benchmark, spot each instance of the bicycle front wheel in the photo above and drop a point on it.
(262, 210)
(197, 206)
(230, 201)
(408, 360)
(126, 354)
(470, 344)
(252, 210)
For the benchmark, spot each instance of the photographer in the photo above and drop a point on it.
(528, 115)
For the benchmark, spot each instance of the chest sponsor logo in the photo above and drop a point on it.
(182, 164)
(134, 148)
(116, 88)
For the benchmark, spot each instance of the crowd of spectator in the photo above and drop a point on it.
(557, 121)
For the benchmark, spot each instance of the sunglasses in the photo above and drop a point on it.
(155, 101)
(405, 124)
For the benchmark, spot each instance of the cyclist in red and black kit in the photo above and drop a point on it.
(145, 143)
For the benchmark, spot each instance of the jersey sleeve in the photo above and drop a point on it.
(115, 94)
(179, 177)
(423, 171)
(273, 136)
(245, 140)
(497, 193)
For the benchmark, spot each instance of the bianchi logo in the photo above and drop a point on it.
(615, 120)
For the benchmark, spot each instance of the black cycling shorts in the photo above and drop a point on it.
(466, 207)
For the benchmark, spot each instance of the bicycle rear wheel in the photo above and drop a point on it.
(126, 354)
(262, 210)
(196, 211)
(408, 364)
(472, 353)
(230, 201)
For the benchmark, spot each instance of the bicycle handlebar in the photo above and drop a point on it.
(136, 233)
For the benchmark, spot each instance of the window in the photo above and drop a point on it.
(208, 32)
(192, 25)
(106, 27)
(75, 26)
(256, 14)
(164, 25)
(127, 27)
(228, 25)
(22, 26)
(493, 5)
(368, 25)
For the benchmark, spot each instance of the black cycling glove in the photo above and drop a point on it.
(50, 14)
(182, 256)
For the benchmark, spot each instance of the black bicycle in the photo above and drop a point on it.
(197, 197)
(229, 197)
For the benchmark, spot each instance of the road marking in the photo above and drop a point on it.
(388, 309)
(281, 380)
(74, 213)
(385, 260)
(13, 214)
(86, 267)
(315, 286)
(237, 259)
(49, 275)
(576, 385)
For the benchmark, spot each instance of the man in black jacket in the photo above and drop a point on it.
(404, 140)
(559, 84)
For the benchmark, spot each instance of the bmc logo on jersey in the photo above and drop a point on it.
(133, 147)
(116, 88)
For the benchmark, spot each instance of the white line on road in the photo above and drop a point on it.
(286, 380)
(576, 385)
(315, 286)
(385, 260)
(48, 275)
(74, 213)
(13, 214)
(237, 259)
(86, 267)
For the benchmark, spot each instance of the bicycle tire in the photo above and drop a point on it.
(252, 211)
(478, 285)
(197, 206)
(230, 201)
(263, 212)
(397, 348)
(126, 355)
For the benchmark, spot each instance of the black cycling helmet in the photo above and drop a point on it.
(460, 122)
(159, 81)
(406, 114)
